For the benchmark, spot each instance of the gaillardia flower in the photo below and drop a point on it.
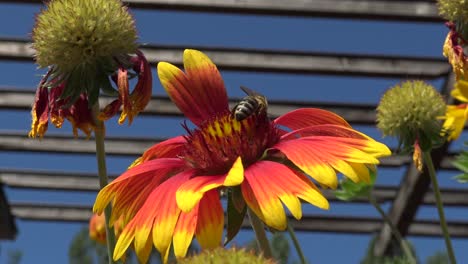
(84, 43)
(172, 193)
(410, 112)
(456, 115)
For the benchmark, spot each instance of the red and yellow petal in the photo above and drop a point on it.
(110, 110)
(199, 92)
(210, 226)
(168, 212)
(269, 184)
(190, 193)
(40, 113)
(306, 117)
(144, 173)
(184, 231)
(170, 148)
(320, 156)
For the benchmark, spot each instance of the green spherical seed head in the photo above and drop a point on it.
(226, 256)
(454, 10)
(410, 111)
(76, 33)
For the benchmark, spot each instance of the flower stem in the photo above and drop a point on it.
(296, 244)
(440, 207)
(395, 232)
(260, 233)
(99, 134)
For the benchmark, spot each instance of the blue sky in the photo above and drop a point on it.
(48, 242)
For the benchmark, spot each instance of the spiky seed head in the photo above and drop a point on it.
(410, 111)
(71, 33)
(226, 256)
(453, 10)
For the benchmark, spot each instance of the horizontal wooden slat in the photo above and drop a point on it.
(353, 113)
(278, 61)
(18, 141)
(49, 180)
(311, 223)
(67, 144)
(425, 11)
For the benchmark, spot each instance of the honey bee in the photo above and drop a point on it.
(249, 105)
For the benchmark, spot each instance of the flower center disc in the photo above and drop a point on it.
(219, 141)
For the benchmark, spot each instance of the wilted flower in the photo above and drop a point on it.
(171, 193)
(410, 113)
(84, 42)
(456, 115)
(454, 51)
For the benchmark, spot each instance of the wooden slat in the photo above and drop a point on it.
(14, 141)
(69, 145)
(354, 113)
(424, 11)
(277, 61)
(50, 180)
(310, 223)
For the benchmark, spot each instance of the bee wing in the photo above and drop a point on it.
(249, 91)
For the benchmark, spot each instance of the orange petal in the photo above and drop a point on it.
(168, 212)
(210, 224)
(199, 93)
(184, 231)
(190, 193)
(319, 156)
(269, 183)
(170, 148)
(158, 168)
(306, 117)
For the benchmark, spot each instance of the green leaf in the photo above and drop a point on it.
(462, 178)
(234, 216)
(350, 190)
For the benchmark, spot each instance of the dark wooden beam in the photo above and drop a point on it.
(118, 146)
(7, 222)
(309, 223)
(278, 61)
(67, 144)
(412, 191)
(53, 180)
(423, 11)
(362, 114)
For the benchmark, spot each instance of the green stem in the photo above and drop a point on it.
(440, 207)
(260, 234)
(296, 244)
(394, 230)
(99, 134)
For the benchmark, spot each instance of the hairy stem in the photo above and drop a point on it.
(99, 134)
(260, 234)
(296, 244)
(440, 207)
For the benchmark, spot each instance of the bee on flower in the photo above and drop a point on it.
(171, 194)
(87, 45)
